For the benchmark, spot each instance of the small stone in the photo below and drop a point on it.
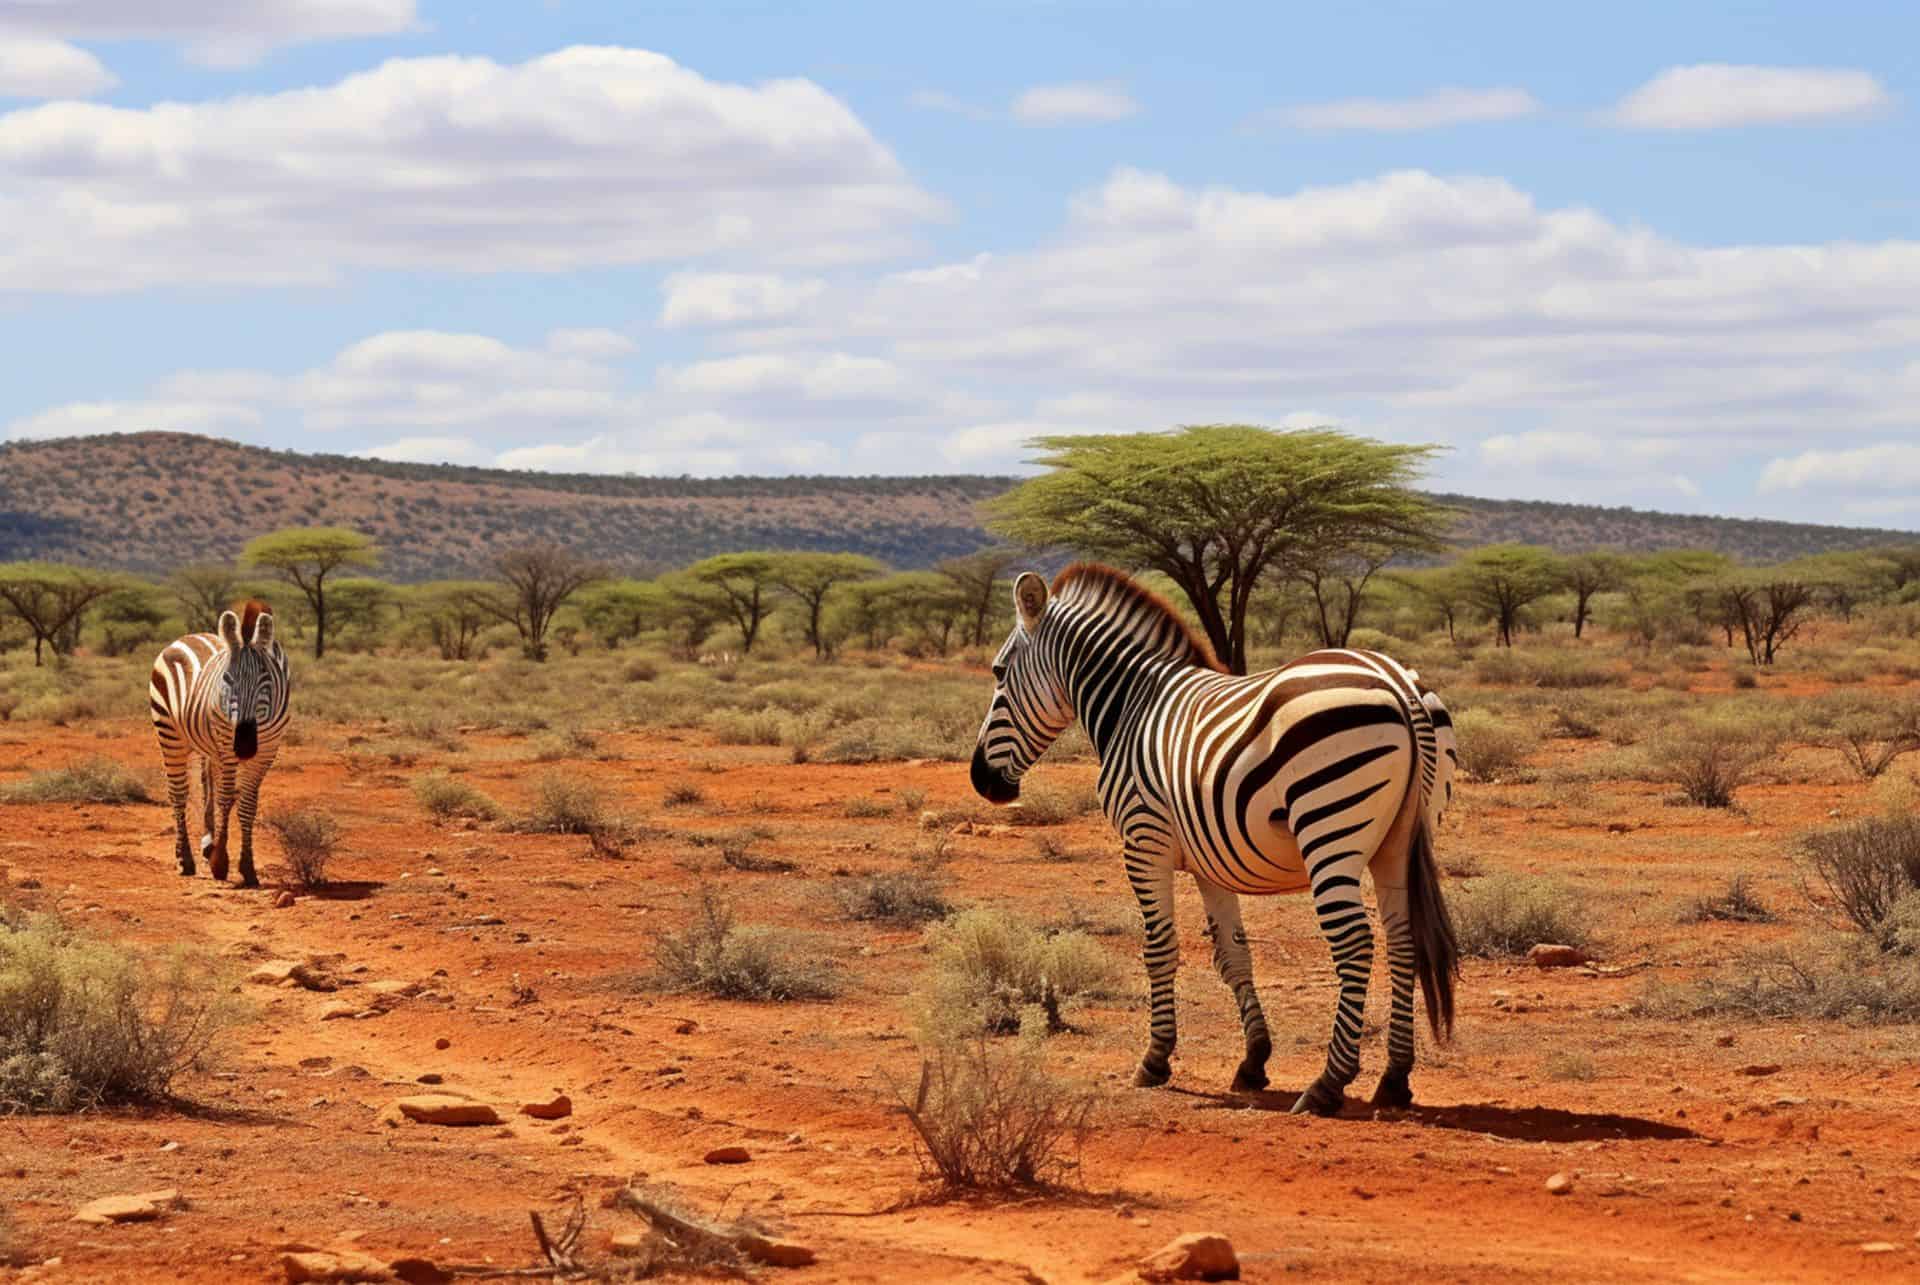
(1724, 1041)
(1761, 1068)
(775, 1253)
(728, 1156)
(687, 1027)
(337, 1010)
(275, 972)
(393, 989)
(431, 1077)
(1549, 955)
(629, 1244)
(334, 1265)
(144, 1207)
(420, 1271)
(445, 1108)
(443, 1044)
(1559, 1185)
(283, 901)
(1196, 1256)
(1879, 1247)
(558, 1107)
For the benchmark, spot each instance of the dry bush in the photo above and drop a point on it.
(565, 804)
(91, 780)
(1568, 1066)
(1709, 759)
(1836, 980)
(85, 1023)
(989, 965)
(863, 809)
(446, 796)
(308, 839)
(1052, 805)
(1869, 731)
(1493, 748)
(1865, 866)
(639, 670)
(1050, 849)
(913, 896)
(1509, 914)
(713, 955)
(1735, 903)
(993, 1118)
(683, 794)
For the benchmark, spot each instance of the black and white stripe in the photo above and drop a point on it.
(1295, 780)
(226, 698)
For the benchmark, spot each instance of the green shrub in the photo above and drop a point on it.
(308, 839)
(989, 965)
(86, 1023)
(1493, 748)
(1509, 914)
(566, 804)
(715, 956)
(91, 780)
(1710, 758)
(445, 796)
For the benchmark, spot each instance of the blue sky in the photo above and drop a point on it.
(1661, 255)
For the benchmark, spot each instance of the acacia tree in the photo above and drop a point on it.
(448, 612)
(1338, 585)
(1443, 589)
(1503, 579)
(810, 578)
(1218, 507)
(536, 582)
(978, 578)
(744, 583)
(1588, 574)
(129, 616)
(1768, 606)
(305, 557)
(204, 590)
(51, 599)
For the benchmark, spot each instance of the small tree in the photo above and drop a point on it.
(305, 557)
(204, 590)
(52, 599)
(1218, 507)
(450, 616)
(130, 616)
(359, 606)
(1442, 589)
(691, 611)
(538, 580)
(810, 578)
(1504, 579)
(979, 579)
(1338, 585)
(745, 585)
(620, 610)
(1767, 606)
(1588, 574)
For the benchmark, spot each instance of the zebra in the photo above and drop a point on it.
(223, 696)
(1293, 780)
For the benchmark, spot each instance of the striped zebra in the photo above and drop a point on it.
(225, 697)
(1293, 780)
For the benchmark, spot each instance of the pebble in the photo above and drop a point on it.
(334, 1265)
(1196, 1256)
(1559, 1185)
(728, 1156)
(283, 901)
(558, 1107)
(1761, 1068)
(445, 1108)
(144, 1207)
(1550, 955)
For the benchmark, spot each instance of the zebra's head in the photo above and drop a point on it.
(1029, 709)
(247, 686)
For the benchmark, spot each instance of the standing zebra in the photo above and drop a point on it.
(224, 697)
(1292, 780)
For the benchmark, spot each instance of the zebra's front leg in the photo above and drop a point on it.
(250, 779)
(1394, 1090)
(1234, 962)
(1343, 921)
(1152, 880)
(220, 804)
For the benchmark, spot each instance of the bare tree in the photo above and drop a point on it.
(537, 581)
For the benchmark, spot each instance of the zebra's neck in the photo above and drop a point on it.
(1103, 659)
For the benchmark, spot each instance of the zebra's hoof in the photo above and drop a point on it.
(249, 881)
(1249, 1079)
(1320, 1099)
(1148, 1078)
(1393, 1091)
(186, 869)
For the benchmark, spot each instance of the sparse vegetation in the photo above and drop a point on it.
(1509, 914)
(683, 794)
(989, 965)
(910, 896)
(308, 839)
(1866, 866)
(714, 955)
(1843, 981)
(1737, 902)
(92, 780)
(1493, 748)
(1709, 759)
(446, 796)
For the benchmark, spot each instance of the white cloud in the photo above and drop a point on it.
(938, 100)
(1883, 466)
(1434, 110)
(1545, 461)
(1073, 104)
(591, 343)
(1721, 95)
(430, 450)
(39, 67)
(586, 157)
(726, 298)
(219, 33)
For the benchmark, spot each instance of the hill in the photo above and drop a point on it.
(151, 501)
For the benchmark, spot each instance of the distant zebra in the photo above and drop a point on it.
(224, 697)
(1292, 780)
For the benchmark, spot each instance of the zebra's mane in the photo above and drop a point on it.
(249, 611)
(1096, 580)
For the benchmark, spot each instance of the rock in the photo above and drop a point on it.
(334, 1265)
(775, 1253)
(445, 1108)
(630, 1244)
(728, 1156)
(431, 1077)
(1879, 1247)
(1761, 1068)
(443, 1044)
(420, 1271)
(275, 972)
(1725, 1041)
(558, 1107)
(1559, 1185)
(338, 1009)
(283, 901)
(393, 989)
(1548, 955)
(1196, 1256)
(144, 1207)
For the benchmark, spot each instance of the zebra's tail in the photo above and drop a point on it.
(1436, 951)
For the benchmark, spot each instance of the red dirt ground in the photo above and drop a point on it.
(1684, 1168)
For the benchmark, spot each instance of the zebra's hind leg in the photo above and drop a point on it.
(1393, 1090)
(1343, 922)
(179, 780)
(1152, 880)
(1234, 962)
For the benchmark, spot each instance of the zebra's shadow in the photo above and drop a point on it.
(1526, 1124)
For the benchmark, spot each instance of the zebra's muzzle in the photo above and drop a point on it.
(246, 739)
(988, 783)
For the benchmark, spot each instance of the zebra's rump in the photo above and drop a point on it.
(1281, 780)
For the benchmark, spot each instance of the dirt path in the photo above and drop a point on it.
(523, 947)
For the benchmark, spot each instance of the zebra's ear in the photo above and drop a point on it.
(1030, 599)
(263, 629)
(230, 631)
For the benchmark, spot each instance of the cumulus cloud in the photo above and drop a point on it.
(217, 33)
(1073, 105)
(725, 298)
(1883, 466)
(1434, 110)
(1722, 95)
(40, 67)
(586, 157)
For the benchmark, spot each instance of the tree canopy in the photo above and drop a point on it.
(1218, 507)
(1504, 579)
(305, 557)
(810, 578)
(50, 599)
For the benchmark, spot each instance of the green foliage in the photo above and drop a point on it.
(1510, 914)
(51, 600)
(446, 796)
(306, 558)
(1503, 580)
(713, 955)
(990, 965)
(92, 780)
(1493, 748)
(809, 579)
